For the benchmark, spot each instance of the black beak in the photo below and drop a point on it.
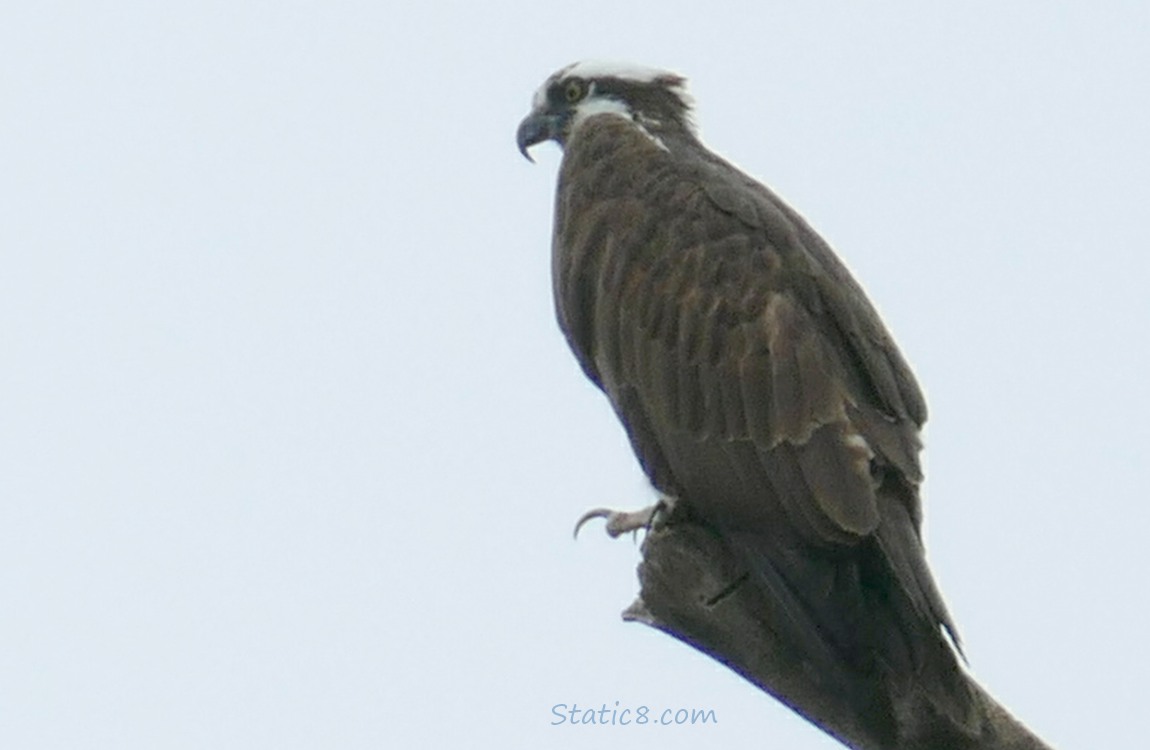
(536, 128)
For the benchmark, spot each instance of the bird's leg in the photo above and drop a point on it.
(619, 522)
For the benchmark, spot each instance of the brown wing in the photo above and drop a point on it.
(731, 321)
(753, 377)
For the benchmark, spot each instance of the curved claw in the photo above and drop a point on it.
(596, 513)
(619, 522)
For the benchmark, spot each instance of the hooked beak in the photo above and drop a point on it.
(536, 128)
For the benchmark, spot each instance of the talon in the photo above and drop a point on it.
(596, 513)
(620, 522)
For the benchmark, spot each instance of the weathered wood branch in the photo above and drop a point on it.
(693, 590)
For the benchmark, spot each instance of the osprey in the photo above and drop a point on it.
(756, 382)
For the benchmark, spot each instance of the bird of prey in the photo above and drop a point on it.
(755, 380)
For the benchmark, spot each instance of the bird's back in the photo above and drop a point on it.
(758, 386)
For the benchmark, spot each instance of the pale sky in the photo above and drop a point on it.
(291, 446)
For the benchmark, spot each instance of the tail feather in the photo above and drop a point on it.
(853, 620)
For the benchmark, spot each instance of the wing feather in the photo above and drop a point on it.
(753, 379)
(752, 374)
(711, 302)
(758, 390)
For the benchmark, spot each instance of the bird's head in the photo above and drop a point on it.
(656, 100)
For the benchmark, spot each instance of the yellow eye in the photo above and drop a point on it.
(575, 90)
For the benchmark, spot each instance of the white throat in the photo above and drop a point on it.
(602, 105)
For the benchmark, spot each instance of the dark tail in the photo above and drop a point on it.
(864, 635)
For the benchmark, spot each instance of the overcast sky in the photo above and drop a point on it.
(291, 447)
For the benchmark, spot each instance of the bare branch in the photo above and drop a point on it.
(693, 590)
